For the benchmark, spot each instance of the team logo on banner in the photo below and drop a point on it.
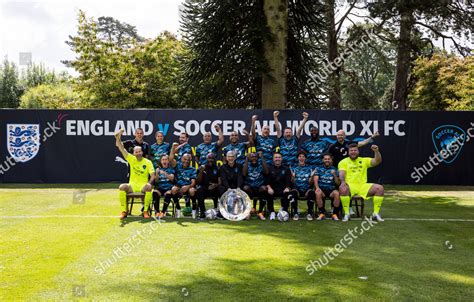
(450, 139)
(23, 141)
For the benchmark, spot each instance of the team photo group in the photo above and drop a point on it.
(264, 167)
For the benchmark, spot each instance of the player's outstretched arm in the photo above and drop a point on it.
(377, 156)
(249, 142)
(368, 140)
(172, 152)
(277, 123)
(301, 127)
(119, 144)
(220, 140)
(252, 128)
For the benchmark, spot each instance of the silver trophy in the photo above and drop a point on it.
(235, 205)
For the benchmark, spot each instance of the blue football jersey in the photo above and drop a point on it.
(184, 175)
(202, 150)
(289, 150)
(326, 179)
(157, 151)
(302, 177)
(314, 151)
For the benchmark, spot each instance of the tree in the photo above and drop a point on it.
(10, 88)
(443, 82)
(240, 50)
(440, 19)
(51, 96)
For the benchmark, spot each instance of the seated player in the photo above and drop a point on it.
(159, 149)
(207, 184)
(164, 183)
(185, 181)
(254, 171)
(353, 175)
(302, 174)
(230, 174)
(207, 147)
(278, 185)
(288, 142)
(142, 176)
(325, 182)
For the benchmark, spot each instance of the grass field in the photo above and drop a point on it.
(56, 249)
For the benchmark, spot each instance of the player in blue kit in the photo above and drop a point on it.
(254, 171)
(302, 175)
(314, 148)
(159, 149)
(263, 142)
(325, 181)
(164, 182)
(185, 181)
(288, 142)
(239, 149)
(183, 147)
(208, 147)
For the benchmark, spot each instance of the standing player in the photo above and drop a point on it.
(185, 181)
(325, 182)
(254, 171)
(339, 150)
(288, 142)
(353, 174)
(302, 175)
(207, 184)
(142, 176)
(159, 149)
(207, 147)
(164, 183)
(264, 142)
(314, 148)
(238, 148)
(183, 147)
(278, 184)
(137, 141)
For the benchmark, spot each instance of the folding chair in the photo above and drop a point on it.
(131, 200)
(358, 203)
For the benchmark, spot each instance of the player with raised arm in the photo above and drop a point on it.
(263, 142)
(353, 175)
(288, 142)
(254, 171)
(239, 149)
(142, 176)
(207, 147)
(325, 181)
(340, 149)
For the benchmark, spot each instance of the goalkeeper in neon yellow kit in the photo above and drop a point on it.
(353, 176)
(142, 176)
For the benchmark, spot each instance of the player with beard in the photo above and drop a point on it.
(278, 185)
(325, 181)
(208, 147)
(239, 149)
(314, 148)
(164, 182)
(340, 149)
(254, 171)
(207, 184)
(264, 142)
(353, 175)
(302, 177)
(288, 142)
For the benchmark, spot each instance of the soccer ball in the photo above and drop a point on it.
(211, 214)
(283, 216)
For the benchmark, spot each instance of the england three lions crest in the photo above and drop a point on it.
(23, 141)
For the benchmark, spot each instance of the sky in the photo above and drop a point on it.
(41, 27)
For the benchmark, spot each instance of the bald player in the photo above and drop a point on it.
(208, 147)
(238, 148)
(340, 149)
(142, 176)
(353, 177)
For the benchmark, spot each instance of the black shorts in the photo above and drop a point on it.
(327, 193)
(162, 191)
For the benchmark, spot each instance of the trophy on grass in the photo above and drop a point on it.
(235, 205)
